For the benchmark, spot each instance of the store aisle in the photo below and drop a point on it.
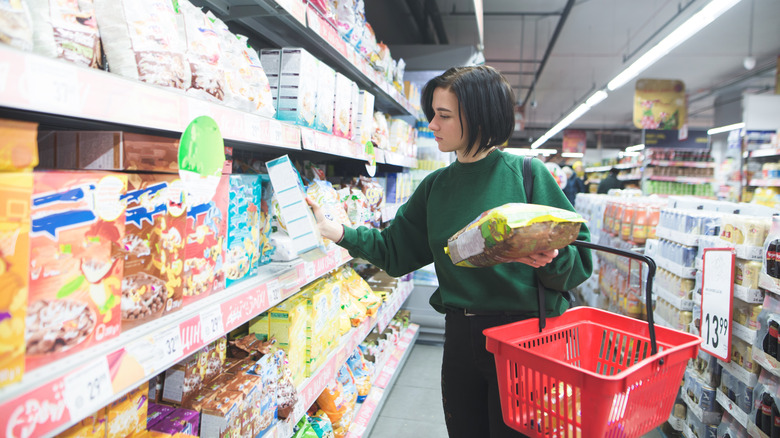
(413, 408)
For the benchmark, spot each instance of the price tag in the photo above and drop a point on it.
(51, 85)
(211, 324)
(274, 292)
(716, 301)
(309, 270)
(88, 389)
(168, 343)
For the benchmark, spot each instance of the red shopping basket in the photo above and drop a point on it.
(589, 373)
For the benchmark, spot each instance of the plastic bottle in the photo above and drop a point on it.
(775, 422)
(770, 340)
(767, 404)
(771, 247)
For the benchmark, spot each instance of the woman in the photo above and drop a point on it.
(470, 111)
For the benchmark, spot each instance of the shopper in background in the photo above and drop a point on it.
(574, 184)
(470, 111)
(610, 182)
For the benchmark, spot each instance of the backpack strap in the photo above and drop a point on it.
(528, 183)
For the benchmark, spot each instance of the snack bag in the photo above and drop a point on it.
(360, 289)
(511, 231)
(321, 424)
(361, 372)
(332, 402)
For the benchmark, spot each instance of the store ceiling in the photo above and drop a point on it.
(593, 41)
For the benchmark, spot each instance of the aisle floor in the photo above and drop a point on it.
(413, 408)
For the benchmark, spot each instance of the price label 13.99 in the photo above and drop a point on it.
(717, 289)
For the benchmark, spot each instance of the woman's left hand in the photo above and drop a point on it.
(536, 260)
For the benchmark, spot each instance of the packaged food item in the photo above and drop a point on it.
(343, 107)
(512, 231)
(361, 373)
(128, 415)
(17, 26)
(153, 246)
(108, 150)
(78, 222)
(67, 30)
(205, 236)
(219, 415)
(184, 380)
(92, 426)
(142, 41)
(297, 93)
(356, 286)
(15, 198)
(246, 228)
(156, 412)
(18, 144)
(203, 53)
(326, 97)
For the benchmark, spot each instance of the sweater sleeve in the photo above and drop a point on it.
(400, 248)
(573, 264)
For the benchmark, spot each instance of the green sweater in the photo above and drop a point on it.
(448, 200)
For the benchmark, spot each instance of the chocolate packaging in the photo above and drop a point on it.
(153, 247)
(78, 222)
(184, 380)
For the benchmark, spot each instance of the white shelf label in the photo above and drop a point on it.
(274, 292)
(309, 271)
(88, 389)
(169, 345)
(211, 324)
(716, 302)
(52, 86)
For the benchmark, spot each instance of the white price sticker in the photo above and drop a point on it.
(211, 324)
(52, 85)
(274, 292)
(168, 344)
(716, 301)
(88, 389)
(309, 270)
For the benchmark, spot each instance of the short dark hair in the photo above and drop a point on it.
(485, 98)
(614, 171)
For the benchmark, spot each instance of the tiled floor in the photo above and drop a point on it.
(413, 408)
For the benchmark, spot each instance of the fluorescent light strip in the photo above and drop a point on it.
(726, 128)
(526, 151)
(635, 148)
(629, 154)
(572, 155)
(697, 22)
(590, 102)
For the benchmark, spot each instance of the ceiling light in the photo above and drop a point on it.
(596, 98)
(572, 155)
(726, 128)
(635, 148)
(629, 154)
(589, 103)
(697, 22)
(526, 151)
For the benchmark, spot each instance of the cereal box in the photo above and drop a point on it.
(18, 145)
(156, 412)
(342, 106)
(78, 222)
(128, 415)
(297, 87)
(245, 231)
(184, 380)
(204, 248)
(219, 415)
(155, 224)
(326, 92)
(15, 196)
(90, 427)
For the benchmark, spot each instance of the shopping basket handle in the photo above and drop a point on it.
(648, 285)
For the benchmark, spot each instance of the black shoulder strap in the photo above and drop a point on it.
(528, 183)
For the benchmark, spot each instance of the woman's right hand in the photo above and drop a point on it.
(328, 229)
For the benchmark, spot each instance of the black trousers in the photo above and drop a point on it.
(469, 385)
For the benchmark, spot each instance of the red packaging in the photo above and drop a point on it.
(155, 224)
(78, 222)
(205, 244)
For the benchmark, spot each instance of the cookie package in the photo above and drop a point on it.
(512, 231)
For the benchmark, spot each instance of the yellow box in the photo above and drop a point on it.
(18, 145)
(15, 198)
(127, 415)
(90, 427)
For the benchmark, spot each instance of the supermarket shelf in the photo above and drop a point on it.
(282, 23)
(630, 178)
(677, 424)
(744, 333)
(616, 166)
(366, 416)
(683, 179)
(697, 164)
(674, 268)
(706, 417)
(752, 296)
(677, 236)
(772, 152)
(740, 373)
(730, 407)
(310, 389)
(769, 283)
(317, 141)
(54, 397)
(400, 160)
(60, 88)
(765, 182)
(673, 299)
(767, 362)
